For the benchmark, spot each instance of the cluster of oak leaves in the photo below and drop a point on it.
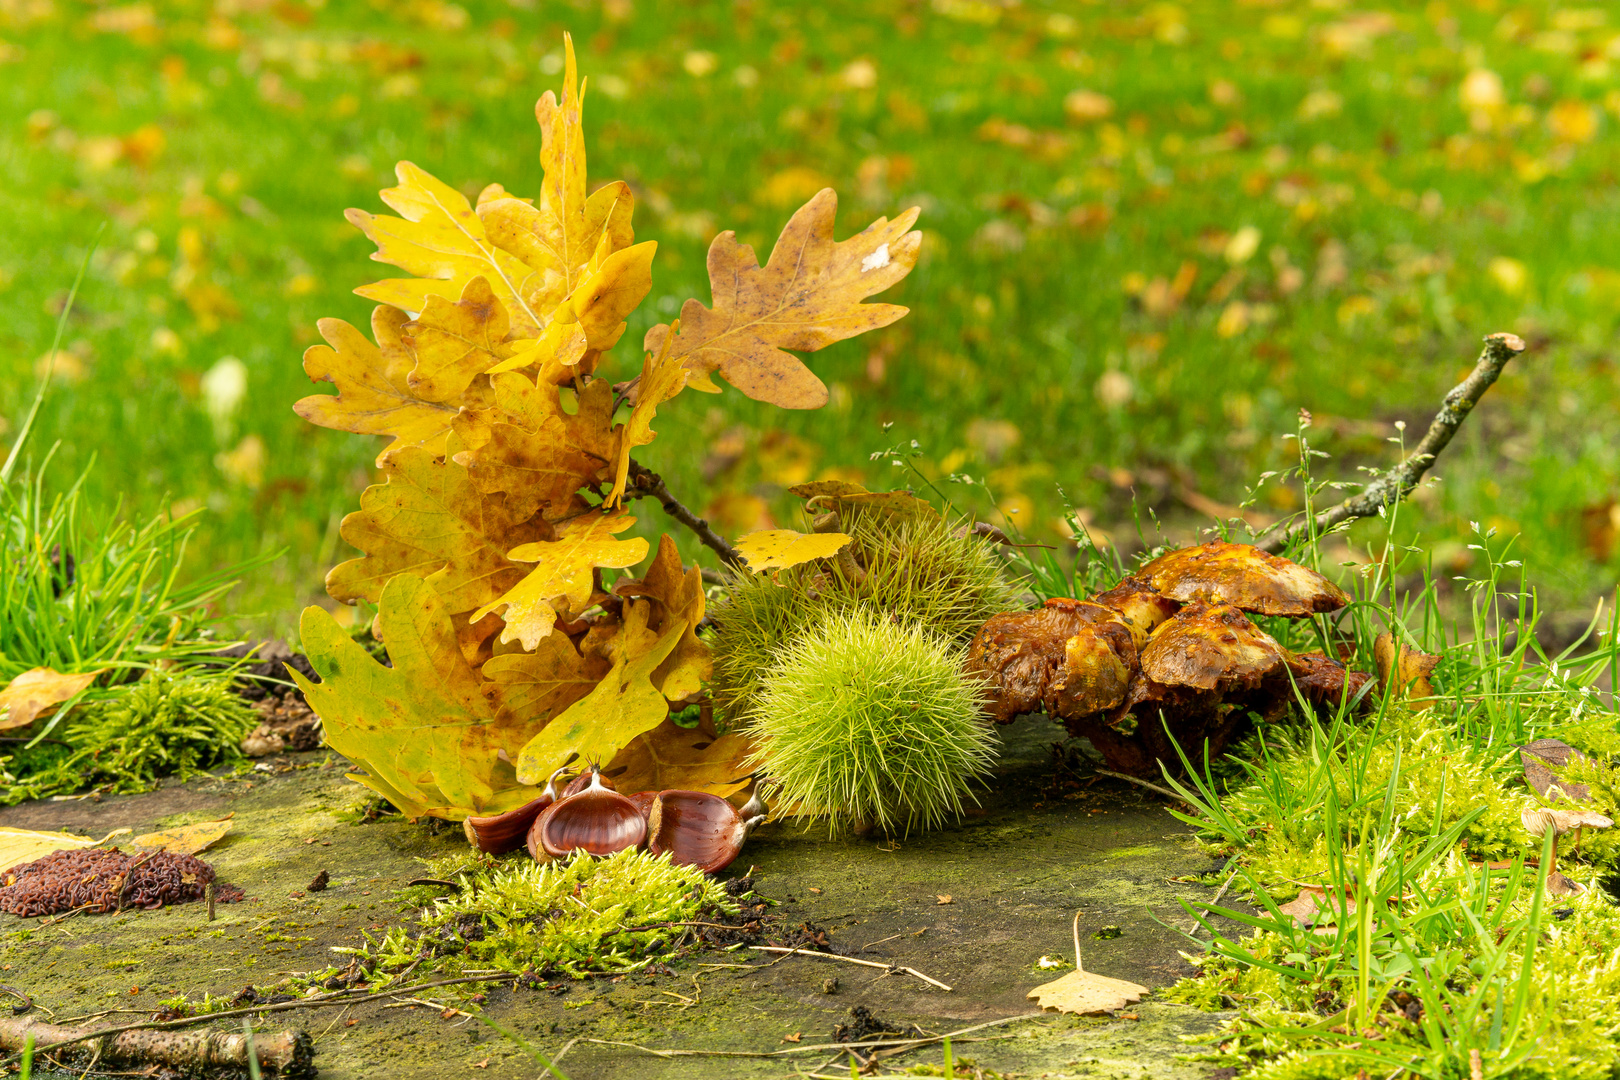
(507, 477)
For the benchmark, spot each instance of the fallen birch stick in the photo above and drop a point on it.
(286, 1053)
(850, 960)
(1398, 483)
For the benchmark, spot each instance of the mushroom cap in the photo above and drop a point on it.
(1020, 653)
(1245, 577)
(1325, 681)
(1139, 605)
(1538, 819)
(1098, 663)
(1206, 646)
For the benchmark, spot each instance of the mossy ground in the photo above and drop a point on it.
(1015, 872)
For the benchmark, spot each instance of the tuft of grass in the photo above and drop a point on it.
(165, 725)
(921, 570)
(868, 719)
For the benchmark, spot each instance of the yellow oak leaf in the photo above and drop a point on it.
(423, 731)
(781, 548)
(441, 240)
(671, 757)
(533, 449)
(662, 377)
(429, 520)
(37, 692)
(532, 687)
(537, 234)
(679, 592)
(18, 846)
(622, 706)
(457, 342)
(374, 394)
(184, 839)
(807, 296)
(563, 577)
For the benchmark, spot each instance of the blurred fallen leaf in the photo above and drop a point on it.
(184, 839)
(36, 692)
(944, 898)
(18, 846)
(1082, 992)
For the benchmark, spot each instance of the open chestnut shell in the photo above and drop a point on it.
(596, 820)
(499, 833)
(696, 828)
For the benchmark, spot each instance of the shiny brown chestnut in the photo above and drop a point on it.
(596, 820)
(499, 833)
(698, 829)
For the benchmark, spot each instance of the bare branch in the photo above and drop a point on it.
(1396, 484)
(644, 483)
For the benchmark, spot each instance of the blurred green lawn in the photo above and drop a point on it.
(1153, 234)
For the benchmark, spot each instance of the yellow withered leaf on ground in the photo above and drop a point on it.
(18, 846)
(183, 839)
(1083, 992)
(1403, 672)
(374, 394)
(562, 579)
(37, 692)
(806, 296)
(782, 548)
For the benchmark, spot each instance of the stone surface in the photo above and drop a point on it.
(1015, 872)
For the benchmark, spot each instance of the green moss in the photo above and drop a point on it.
(917, 569)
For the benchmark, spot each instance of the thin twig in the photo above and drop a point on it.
(644, 483)
(335, 997)
(841, 1048)
(850, 960)
(1138, 781)
(1398, 483)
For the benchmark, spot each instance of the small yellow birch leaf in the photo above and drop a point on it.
(18, 846)
(662, 377)
(440, 239)
(1082, 992)
(184, 839)
(671, 757)
(622, 706)
(806, 296)
(782, 548)
(36, 693)
(562, 579)
(429, 520)
(374, 395)
(456, 342)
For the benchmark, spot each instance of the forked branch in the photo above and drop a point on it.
(1396, 484)
(644, 483)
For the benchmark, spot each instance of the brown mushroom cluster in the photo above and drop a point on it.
(1174, 640)
(694, 828)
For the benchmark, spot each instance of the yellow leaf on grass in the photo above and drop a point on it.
(426, 735)
(374, 395)
(562, 579)
(184, 839)
(806, 296)
(781, 548)
(36, 693)
(623, 705)
(1082, 992)
(18, 846)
